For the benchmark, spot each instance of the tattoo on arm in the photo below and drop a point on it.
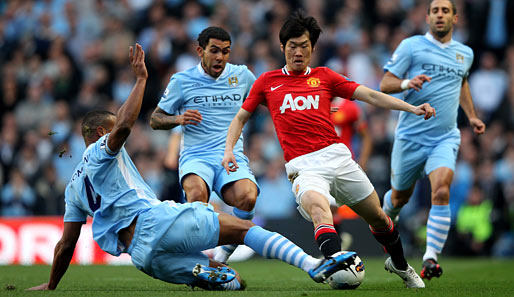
(160, 120)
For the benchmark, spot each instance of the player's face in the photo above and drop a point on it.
(215, 56)
(298, 52)
(441, 18)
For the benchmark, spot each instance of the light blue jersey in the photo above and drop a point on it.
(447, 64)
(218, 100)
(107, 186)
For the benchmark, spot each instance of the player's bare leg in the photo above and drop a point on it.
(394, 200)
(195, 188)
(439, 219)
(401, 197)
(385, 233)
(242, 195)
(325, 234)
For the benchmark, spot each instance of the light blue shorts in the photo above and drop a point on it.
(213, 173)
(411, 160)
(169, 237)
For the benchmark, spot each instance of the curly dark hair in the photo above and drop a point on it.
(212, 32)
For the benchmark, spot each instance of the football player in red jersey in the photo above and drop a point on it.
(319, 165)
(348, 118)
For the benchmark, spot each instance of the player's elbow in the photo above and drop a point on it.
(153, 122)
(383, 87)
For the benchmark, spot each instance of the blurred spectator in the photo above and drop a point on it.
(486, 98)
(18, 198)
(276, 199)
(171, 189)
(473, 223)
(33, 111)
(50, 192)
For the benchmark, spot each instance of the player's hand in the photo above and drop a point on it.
(425, 109)
(416, 83)
(42, 287)
(190, 117)
(333, 109)
(137, 61)
(478, 125)
(229, 162)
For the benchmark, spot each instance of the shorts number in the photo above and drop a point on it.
(92, 198)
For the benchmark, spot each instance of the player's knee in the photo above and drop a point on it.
(246, 201)
(400, 199)
(441, 196)
(193, 195)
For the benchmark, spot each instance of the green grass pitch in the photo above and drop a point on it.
(266, 278)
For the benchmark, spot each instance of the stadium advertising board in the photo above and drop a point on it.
(31, 240)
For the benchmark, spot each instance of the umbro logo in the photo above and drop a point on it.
(274, 88)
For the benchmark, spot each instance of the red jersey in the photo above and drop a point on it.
(348, 119)
(299, 104)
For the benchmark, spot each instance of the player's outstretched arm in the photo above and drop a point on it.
(63, 253)
(129, 111)
(234, 131)
(391, 84)
(161, 120)
(379, 99)
(466, 102)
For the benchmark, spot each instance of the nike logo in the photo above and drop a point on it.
(323, 243)
(274, 88)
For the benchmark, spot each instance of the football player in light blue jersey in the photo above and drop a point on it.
(164, 239)
(432, 68)
(204, 100)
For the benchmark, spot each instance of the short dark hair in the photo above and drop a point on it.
(93, 120)
(454, 7)
(212, 32)
(296, 25)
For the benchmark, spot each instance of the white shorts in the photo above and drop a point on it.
(331, 172)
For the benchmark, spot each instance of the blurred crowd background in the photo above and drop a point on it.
(62, 58)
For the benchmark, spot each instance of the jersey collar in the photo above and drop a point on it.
(206, 75)
(284, 70)
(437, 42)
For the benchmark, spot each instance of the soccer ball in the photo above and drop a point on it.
(348, 278)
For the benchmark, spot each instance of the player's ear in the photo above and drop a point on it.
(281, 47)
(455, 18)
(199, 51)
(100, 131)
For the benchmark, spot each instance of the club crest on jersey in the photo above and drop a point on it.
(299, 102)
(459, 57)
(233, 81)
(313, 82)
